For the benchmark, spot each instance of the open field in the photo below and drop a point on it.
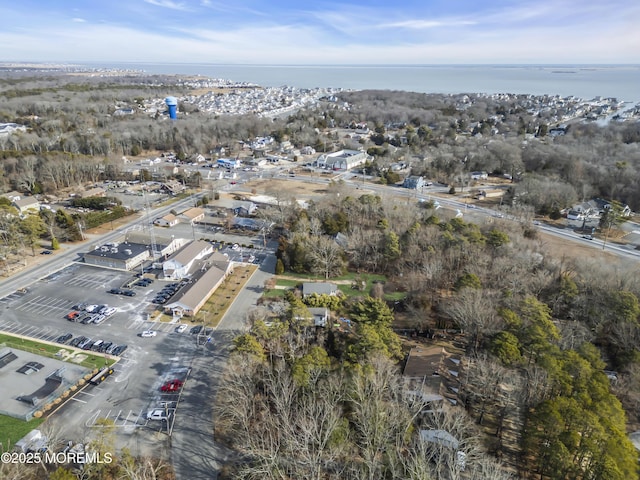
(12, 430)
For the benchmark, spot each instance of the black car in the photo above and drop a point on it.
(64, 338)
(115, 291)
(128, 293)
(119, 350)
(196, 329)
(77, 341)
(105, 346)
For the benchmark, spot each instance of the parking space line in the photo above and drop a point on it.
(78, 400)
(91, 421)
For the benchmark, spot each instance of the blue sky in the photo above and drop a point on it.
(322, 32)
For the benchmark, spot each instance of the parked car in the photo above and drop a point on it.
(181, 328)
(115, 291)
(64, 338)
(172, 386)
(128, 293)
(196, 329)
(77, 341)
(119, 350)
(156, 414)
(148, 333)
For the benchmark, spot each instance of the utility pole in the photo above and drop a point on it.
(148, 225)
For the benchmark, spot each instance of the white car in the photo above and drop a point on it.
(181, 328)
(156, 414)
(235, 246)
(148, 333)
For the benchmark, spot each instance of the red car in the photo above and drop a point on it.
(172, 386)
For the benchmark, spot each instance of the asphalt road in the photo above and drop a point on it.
(195, 455)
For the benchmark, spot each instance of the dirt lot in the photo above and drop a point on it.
(560, 248)
(300, 190)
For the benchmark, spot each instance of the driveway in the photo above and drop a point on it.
(195, 454)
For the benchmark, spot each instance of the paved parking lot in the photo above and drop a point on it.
(125, 397)
(149, 363)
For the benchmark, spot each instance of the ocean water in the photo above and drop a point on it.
(586, 81)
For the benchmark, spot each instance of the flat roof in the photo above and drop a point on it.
(123, 251)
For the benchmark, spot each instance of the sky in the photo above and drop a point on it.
(287, 32)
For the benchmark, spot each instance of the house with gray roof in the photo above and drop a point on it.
(414, 182)
(26, 204)
(319, 288)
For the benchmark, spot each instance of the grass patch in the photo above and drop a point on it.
(51, 350)
(285, 282)
(274, 293)
(12, 430)
(344, 283)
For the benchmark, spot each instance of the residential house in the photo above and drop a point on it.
(320, 316)
(27, 204)
(169, 220)
(192, 215)
(479, 175)
(173, 187)
(435, 370)
(320, 288)
(244, 209)
(414, 182)
(13, 195)
(8, 128)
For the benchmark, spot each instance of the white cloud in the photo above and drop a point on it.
(425, 24)
(168, 4)
(308, 43)
(78, 20)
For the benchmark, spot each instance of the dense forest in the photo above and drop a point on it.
(550, 345)
(539, 334)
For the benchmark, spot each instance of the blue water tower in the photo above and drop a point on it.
(172, 105)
